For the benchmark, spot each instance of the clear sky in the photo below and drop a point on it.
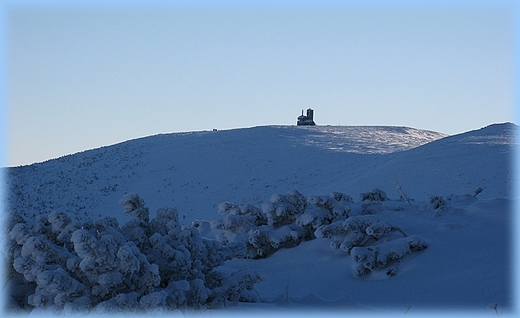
(82, 77)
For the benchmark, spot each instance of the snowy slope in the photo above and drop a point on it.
(467, 265)
(456, 164)
(194, 172)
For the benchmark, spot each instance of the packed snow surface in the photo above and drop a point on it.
(454, 194)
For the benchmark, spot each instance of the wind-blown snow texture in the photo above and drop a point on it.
(467, 264)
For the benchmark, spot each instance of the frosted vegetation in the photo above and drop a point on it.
(158, 264)
(144, 264)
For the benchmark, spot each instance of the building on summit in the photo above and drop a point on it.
(306, 120)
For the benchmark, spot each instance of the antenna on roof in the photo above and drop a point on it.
(306, 120)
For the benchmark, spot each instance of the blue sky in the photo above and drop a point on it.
(82, 77)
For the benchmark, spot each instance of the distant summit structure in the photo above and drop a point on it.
(306, 120)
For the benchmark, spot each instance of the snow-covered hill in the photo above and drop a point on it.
(196, 171)
(467, 263)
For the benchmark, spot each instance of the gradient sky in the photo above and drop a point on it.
(82, 77)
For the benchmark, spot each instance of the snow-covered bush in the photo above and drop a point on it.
(134, 206)
(346, 234)
(369, 258)
(362, 237)
(284, 208)
(146, 264)
(374, 195)
(261, 231)
(382, 228)
(264, 240)
(314, 217)
(326, 209)
(338, 196)
(238, 220)
(292, 219)
(248, 211)
(239, 287)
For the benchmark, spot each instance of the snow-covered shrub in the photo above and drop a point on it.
(382, 255)
(248, 211)
(264, 240)
(322, 201)
(234, 228)
(284, 208)
(61, 228)
(382, 228)
(135, 230)
(239, 287)
(375, 195)
(166, 220)
(234, 223)
(337, 204)
(326, 209)
(338, 196)
(361, 237)
(348, 233)
(134, 206)
(56, 288)
(314, 218)
(284, 221)
(261, 231)
(41, 262)
(146, 264)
